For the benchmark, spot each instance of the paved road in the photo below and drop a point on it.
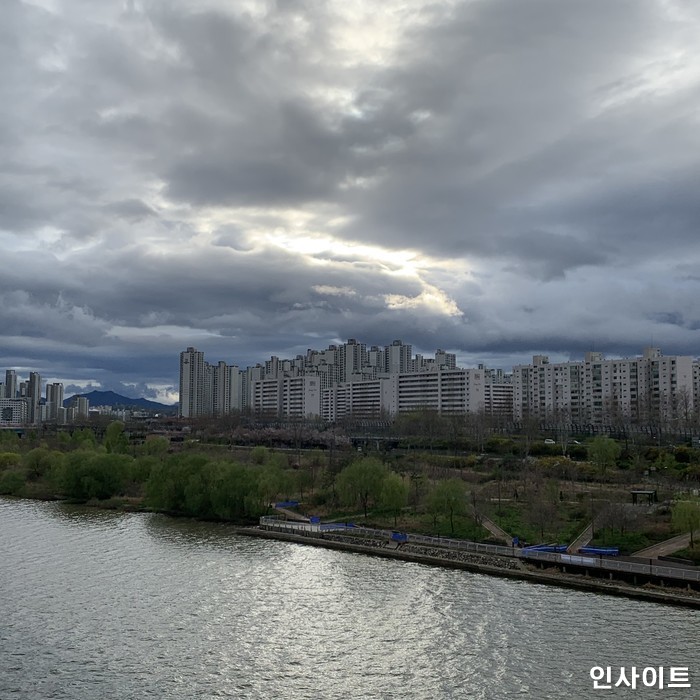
(665, 548)
(291, 515)
(582, 540)
(496, 531)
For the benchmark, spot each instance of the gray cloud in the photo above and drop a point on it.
(213, 176)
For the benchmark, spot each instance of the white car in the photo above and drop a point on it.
(549, 441)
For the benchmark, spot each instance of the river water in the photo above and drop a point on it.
(97, 604)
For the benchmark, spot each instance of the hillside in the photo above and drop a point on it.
(110, 398)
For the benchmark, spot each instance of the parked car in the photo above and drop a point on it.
(549, 441)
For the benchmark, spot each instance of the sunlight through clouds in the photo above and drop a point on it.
(493, 178)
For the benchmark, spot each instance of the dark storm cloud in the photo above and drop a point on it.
(511, 85)
(190, 287)
(539, 159)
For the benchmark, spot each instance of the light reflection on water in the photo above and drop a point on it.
(115, 605)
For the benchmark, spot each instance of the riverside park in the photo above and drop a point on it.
(630, 499)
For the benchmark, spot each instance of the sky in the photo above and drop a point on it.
(495, 178)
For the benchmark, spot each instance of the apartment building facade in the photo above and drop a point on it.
(599, 390)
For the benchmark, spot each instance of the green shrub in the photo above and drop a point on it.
(11, 483)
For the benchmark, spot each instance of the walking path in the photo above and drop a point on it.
(664, 548)
(582, 540)
(291, 515)
(495, 530)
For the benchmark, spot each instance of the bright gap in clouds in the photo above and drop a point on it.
(397, 262)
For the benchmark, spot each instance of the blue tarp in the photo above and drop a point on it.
(606, 551)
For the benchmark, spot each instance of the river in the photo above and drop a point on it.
(99, 604)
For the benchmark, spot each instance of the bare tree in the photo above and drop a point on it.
(479, 427)
(543, 510)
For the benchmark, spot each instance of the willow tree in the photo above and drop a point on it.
(448, 498)
(361, 482)
(686, 517)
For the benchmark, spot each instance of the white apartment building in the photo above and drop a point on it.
(444, 391)
(10, 388)
(79, 409)
(288, 397)
(14, 411)
(598, 390)
(359, 399)
(348, 379)
(54, 400)
(193, 384)
(498, 399)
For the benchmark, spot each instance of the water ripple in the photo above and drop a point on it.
(98, 604)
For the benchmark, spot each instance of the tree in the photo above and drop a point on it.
(543, 511)
(619, 516)
(115, 438)
(448, 498)
(39, 461)
(89, 475)
(417, 479)
(479, 427)
(315, 463)
(271, 481)
(83, 438)
(156, 445)
(233, 492)
(9, 439)
(530, 429)
(562, 422)
(9, 459)
(11, 483)
(603, 451)
(361, 482)
(303, 481)
(259, 454)
(394, 494)
(686, 517)
(425, 424)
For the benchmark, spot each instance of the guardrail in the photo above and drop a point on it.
(274, 522)
(308, 529)
(627, 567)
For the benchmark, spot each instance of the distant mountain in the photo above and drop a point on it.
(109, 398)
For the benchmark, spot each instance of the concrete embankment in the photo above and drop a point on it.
(504, 567)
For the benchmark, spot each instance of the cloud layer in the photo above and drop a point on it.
(491, 177)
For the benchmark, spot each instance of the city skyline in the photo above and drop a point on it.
(353, 380)
(253, 179)
(173, 395)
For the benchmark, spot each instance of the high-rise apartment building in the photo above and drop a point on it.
(193, 384)
(79, 409)
(10, 384)
(54, 400)
(34, 409)
(349, 380)
(398, 358)
(597, 390)
(34, 396)
(14, 411)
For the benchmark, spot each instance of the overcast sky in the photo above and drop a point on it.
(496, 178)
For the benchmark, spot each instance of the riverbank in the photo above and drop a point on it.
(492, 565)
